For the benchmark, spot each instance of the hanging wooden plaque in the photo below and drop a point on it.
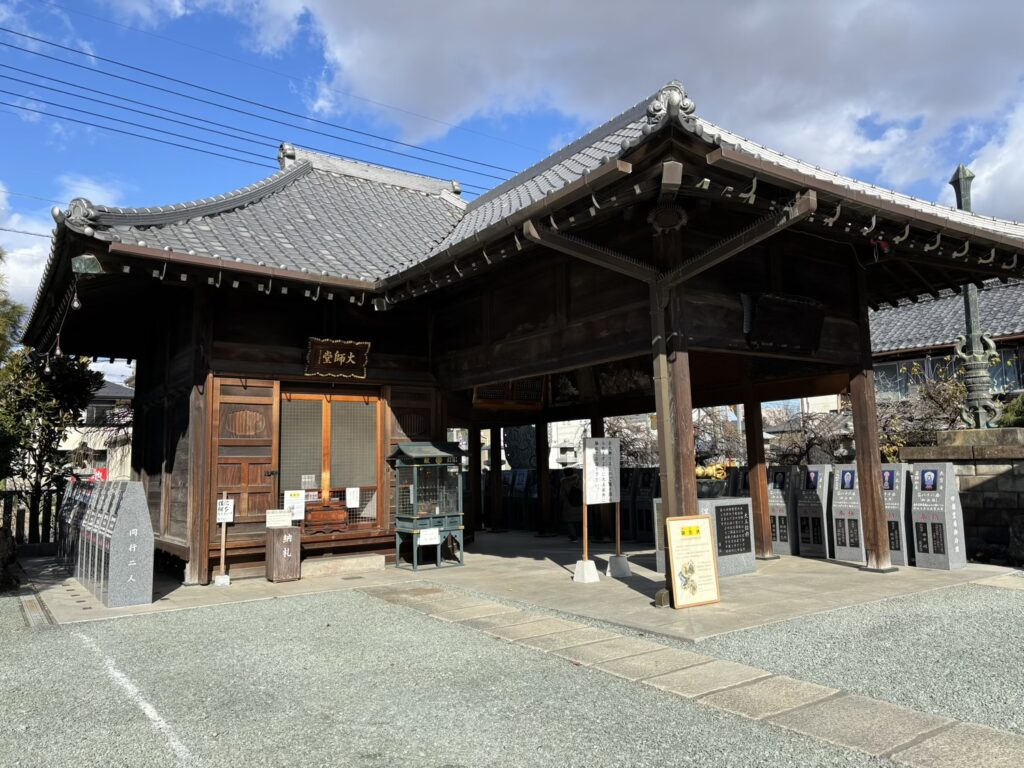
(337, 359)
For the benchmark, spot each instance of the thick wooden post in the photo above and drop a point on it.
(869, 469)
(475, 507)
(758, 479)
(865, 437)
(497, 521)
(543, 480)
(670, 502)
(681, 407)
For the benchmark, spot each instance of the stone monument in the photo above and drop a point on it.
(812, 509)
(937, 518)
(846, 520)
(895, 490)
(732, 523)
(781, 510)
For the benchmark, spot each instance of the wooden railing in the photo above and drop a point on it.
(28, 528)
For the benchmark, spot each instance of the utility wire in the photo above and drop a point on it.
(293, 79)
(24, 232)
(273, 140)
(254, 103)
(137, 135)
(242, 111)
(31, 197)
(90, 113)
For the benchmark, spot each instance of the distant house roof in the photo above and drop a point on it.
(937, 322)
(111, 390)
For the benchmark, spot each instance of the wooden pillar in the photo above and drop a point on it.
(475, 507)
(497, 520)
(670, 502)
(758, 475)
(544, 522)
(869, 469)
(865, 437)
(681, 408)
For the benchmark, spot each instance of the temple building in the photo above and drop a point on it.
(290, 333)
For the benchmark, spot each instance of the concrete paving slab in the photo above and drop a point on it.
(606, 650)
(475, 612)
(704, 678)
(503, 619)
(767, 697)
(1005, 581)
(440, 607)
(652, 663)
(567, 639)
(532, 629)
(867, 725)
(966, 746)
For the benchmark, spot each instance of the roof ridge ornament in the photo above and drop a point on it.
(286, 155)
(670, 103)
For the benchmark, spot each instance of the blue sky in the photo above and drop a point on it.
(896, 93)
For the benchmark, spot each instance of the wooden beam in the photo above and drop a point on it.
(758, 475)
(579, 248)
(869, 462)
(475, 517)
(802, 206)
(544, 521)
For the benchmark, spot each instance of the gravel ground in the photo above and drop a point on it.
(11, 618)
(346, 679)
(956, 652)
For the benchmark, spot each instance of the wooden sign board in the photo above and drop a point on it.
(601, 470)
(335, 358)
(692, 563)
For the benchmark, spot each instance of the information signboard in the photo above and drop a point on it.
(733, 524)
(692, 563)
(295, 504)
(601, 470)
(279, 518)
(225, 511)
(429, 536)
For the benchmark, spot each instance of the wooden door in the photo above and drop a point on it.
(245, 435)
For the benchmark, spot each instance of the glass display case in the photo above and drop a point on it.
(428, 497)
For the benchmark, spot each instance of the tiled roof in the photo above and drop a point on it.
(113, 390)
(318, 215)
(937, 322)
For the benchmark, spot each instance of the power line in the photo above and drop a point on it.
(24, 232)
(275, 140)
(137, 135)
(291, 78)
(32, 197)
(36, 99)
(242, 111)
(254, 103)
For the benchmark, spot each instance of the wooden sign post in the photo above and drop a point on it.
(225, 515)
(693, 567)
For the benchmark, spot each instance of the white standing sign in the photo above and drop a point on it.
(295, 503)
(279, 518)
(601, 470)
(352, 498)
(430, 536)
(225, 511)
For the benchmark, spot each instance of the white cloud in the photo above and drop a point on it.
(26, 255)
(998, 189)
(102, 191)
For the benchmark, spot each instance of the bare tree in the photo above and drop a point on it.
(638, 443)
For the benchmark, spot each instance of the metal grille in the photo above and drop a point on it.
(427, 490)
(301, 443)
(354, 453)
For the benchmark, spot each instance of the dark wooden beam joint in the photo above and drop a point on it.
(581, 249)
(803, 205)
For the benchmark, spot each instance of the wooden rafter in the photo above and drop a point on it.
(595, 254)
(802, 206)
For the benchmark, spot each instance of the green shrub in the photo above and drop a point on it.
(1013, 413)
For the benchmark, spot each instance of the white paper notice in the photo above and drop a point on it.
(295, 503)
(430, 536)
(225, 510)
(279, 518)
(352, 498)
(308, 482)
(601, 469)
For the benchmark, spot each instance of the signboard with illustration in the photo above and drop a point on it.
(692, 563)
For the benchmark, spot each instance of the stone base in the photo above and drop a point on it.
(618, 567)
(663, 598)
(890, 569)
(222, 581)
(586, 572)
(994, 436)
(768, 557)
(342, 566)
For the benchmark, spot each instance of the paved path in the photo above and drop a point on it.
(412, 673)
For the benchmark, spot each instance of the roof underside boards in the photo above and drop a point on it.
(937, 322)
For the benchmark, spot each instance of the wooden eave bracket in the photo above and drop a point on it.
(595, 254)
(671, 181)
(802, 206)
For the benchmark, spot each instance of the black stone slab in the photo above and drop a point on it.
(732, 521)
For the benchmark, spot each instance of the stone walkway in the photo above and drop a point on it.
(875, 728)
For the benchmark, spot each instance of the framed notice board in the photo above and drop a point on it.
(691, 555)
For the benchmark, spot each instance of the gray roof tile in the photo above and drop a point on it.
(937, 322)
